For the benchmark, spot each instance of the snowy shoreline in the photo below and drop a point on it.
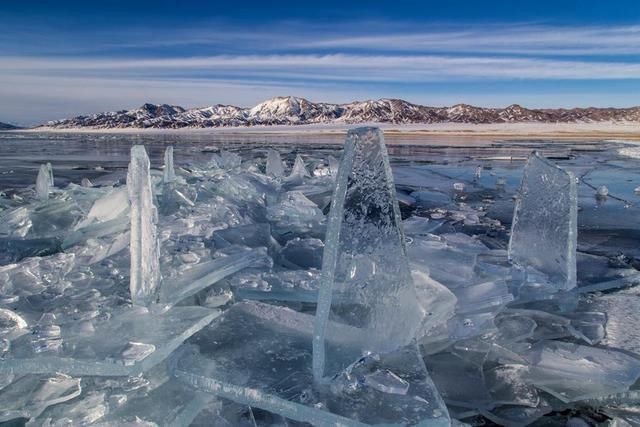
(626, 130)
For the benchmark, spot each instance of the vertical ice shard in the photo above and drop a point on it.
(544, 230)
(43, 183)
(275, 167)
(50, 170)
(334, 164)
(169, 172)
(145, 269)
(366, 282)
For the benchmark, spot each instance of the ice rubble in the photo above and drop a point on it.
(241, 298)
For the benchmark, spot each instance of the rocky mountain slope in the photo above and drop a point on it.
(291, 110)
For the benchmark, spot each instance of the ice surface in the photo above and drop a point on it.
(43, 183)
(544, 229)
(366, 281)
(169, 173)
(275, 167)
(145, 269)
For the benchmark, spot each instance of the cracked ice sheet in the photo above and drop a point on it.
(130, 342)
(276, 343)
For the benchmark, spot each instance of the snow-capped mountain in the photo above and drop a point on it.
(289, 110)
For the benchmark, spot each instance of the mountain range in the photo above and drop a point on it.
(291, 110)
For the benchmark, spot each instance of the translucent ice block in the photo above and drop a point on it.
(366, 282)
(43, 183)
(145, 268)
(544, 229)
(275, 167)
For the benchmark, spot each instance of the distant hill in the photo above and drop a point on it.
(289, 110)
(7, 126)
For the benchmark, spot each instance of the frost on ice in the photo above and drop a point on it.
(544, 231)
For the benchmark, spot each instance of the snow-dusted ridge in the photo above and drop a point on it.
(289, 110)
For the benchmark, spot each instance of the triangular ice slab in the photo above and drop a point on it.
(145, 264)
(545, 222)
(366, 282)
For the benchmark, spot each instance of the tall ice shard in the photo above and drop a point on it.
(366, 282)
(545, 222)
(145, 268)
(169, 174)
(43, 183)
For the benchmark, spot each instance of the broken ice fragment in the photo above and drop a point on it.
(298, 172)
(169, 173)
(458, 186)
(145, 269)
(544, 229)
(29, 395)
(205, 274)
(86, 183)
(119, 346)
(366, 281)
(135, 352)
(387, 382)
(602, 191)
(573, 372)
(276, 342)
(43, 183)
(274, 164)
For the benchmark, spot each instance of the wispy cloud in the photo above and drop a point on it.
(342, 67)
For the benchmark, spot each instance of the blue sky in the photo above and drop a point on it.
(65, 58)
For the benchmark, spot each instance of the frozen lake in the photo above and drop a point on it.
(428, 163)
(494, 355)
